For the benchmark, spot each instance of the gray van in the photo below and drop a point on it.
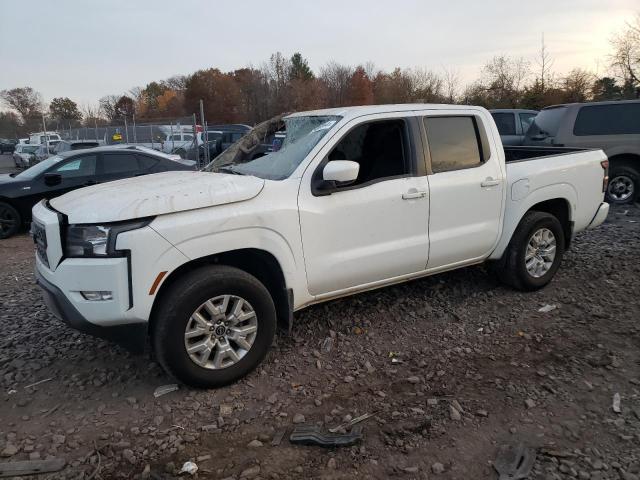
(612, 126)
(513, 123)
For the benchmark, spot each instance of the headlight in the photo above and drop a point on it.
(87, 241)
(97, 240)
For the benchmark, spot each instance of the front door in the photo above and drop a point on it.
(375, 228)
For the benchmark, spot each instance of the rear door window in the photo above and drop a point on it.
(618, 119)
(119, 163)
(453, 143)
(506, 122)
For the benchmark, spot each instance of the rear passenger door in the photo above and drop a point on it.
(117, 165)
(466, 184)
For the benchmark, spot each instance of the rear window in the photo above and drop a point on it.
(453, 143)
(506, 123)
(547, 122)
(620, 119)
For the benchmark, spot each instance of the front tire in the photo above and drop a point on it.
(10, 220)
(213, 326)
(624, 184)
(534, 253)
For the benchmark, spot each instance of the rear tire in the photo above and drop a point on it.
(624, 183)
(528, 263)
(10, 220)
(185, 310)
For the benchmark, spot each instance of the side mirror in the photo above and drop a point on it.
(341, 171)
(52, 179)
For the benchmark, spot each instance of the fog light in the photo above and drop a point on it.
(97, 296)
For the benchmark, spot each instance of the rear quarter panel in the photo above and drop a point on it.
(574, 177)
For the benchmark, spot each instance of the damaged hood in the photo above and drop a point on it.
(156, 194)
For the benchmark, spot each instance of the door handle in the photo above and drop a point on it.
(490, 182)
(413, 193)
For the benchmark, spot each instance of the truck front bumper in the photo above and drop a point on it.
(600, 216)
(132, 336)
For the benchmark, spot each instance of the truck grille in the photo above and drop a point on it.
(39, 235)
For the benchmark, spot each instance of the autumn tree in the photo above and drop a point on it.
(577, 86)
(394, 87)
(108, 107)
(503, 77)
(336, 79)
(27, 102)
(626, 55)
(125, 107)
(219, 92)
(10, 125)
(65, 110)
(360, 88)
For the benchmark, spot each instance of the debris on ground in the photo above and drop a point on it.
(38, 383)
(164, 389)
(31, 467)
(189, 467)
(514, 462)
(351, 423)
(616, 403)
(312, 435)
(547, 308)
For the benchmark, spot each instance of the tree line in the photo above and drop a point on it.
(286, 84)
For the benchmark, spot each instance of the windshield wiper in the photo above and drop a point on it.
(229, 169)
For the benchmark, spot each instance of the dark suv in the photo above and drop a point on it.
(611, 126)
(70, 170)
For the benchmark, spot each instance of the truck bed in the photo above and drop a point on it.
(516, 154)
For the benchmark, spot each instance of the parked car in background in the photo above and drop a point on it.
(513, 124)
(612, 126)
(179, 143)
(67, 145)
(24, 155)
(204, 264)
(7, 145)
(220, 138)
(43, 152)
(70, 170)
(23, 141)
(42, 137)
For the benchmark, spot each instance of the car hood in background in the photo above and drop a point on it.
(156, 194)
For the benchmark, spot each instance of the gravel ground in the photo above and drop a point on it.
(452, 366)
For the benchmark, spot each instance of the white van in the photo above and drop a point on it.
(42, 137)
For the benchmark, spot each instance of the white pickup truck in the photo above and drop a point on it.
(205, 264)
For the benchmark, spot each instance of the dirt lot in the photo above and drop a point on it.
(453, 366)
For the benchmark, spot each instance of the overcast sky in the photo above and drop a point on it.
(86, 49)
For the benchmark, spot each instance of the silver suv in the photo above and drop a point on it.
(612, 126)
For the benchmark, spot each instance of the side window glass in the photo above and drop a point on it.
(118, 163)
(78, 167)
(453, 143)
(615, 119)
(505, 122)
(526, 119)
(146, 162)
(379, 148)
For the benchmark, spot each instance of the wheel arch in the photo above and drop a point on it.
(557, 200)
(257, 262)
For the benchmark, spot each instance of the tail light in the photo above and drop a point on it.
(605, 180)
